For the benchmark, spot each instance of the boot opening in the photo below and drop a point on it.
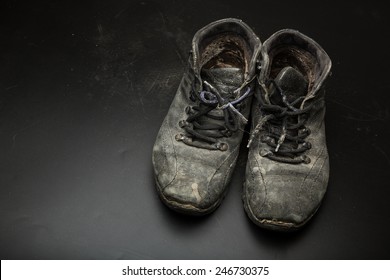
(295, 57)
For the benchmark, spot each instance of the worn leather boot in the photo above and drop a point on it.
(288, 167)
(198, 143)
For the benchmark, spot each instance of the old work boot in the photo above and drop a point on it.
(288, 167)
(198, 143)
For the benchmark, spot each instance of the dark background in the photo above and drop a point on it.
(84, 87)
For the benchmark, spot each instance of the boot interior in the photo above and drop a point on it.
(296, 57)
(223, 54)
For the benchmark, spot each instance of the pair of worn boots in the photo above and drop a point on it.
(232, 76)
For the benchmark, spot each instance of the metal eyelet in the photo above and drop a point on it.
(306, 159)
(227, 133)
(192, 95)
(264, 138)
(264, 152)
(180, 137)
(258, 65)
(182, 123)
(268, 140)
(307, 145)
(222, 146)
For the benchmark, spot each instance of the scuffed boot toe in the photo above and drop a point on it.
(188, 198)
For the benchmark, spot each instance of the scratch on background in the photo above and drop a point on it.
(381, 151)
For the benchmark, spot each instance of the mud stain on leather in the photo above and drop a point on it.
(195, 191)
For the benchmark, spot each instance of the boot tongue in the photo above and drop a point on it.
(292, 84)
(225, 80)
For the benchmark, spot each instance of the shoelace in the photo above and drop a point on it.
(205, 126)
(278, 121)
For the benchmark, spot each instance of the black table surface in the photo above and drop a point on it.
(84, 87)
